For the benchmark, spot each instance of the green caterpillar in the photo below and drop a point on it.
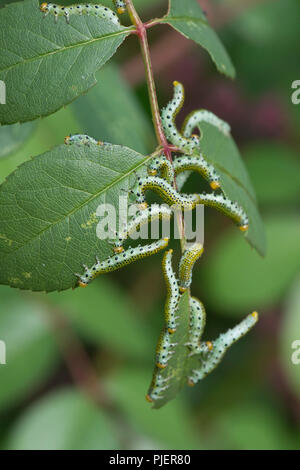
(229, 208)
(199, 164)
(168, 116)
(81, 139)
(164, 349)
(154, 212)
(118, 261)
(172, 292)
(79, 9)
(220, 346)
(196, 117)
(165, 191)
(188, 259)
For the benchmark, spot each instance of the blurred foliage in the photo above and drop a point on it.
(252, 400)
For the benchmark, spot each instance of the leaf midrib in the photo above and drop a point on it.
(80, 206)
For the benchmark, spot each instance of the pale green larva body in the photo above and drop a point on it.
(79, 9)
(227, 207)
(171, 304)
(164, 349)
(168, 116)
(154, 212)
(195, 118)
(220, 346)
(120, 260)
(81, 139)
(200, 165)
(120, 6)
(162, 167)
(157, 387)
(197, 325)
(165, 191)
(188, 259)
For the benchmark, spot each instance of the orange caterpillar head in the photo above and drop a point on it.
(148, 398)
(82, 284)
(215, 185)
(244, 228)
(44, 7)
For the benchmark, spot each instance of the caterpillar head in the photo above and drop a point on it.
(44, 7)
(148, 398)
(121, 10)
(67, 138)
(215, 185)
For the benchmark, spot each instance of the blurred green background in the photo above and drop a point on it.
(79, 363)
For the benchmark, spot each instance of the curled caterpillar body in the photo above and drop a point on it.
(196, 117)
(120, 6)
(118, 261)
(165, 191)
(220, 346)
(172, 292)
(164, 349)
(168, 115)
(81, 139)
(199, 164)
(157, 387)
(229, 208)
(162, 166)
(154, 212)
(79, 9)
(188, 259)
(197, 325)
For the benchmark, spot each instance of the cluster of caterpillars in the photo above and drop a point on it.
(159, 178)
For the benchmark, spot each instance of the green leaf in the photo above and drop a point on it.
(289, 335)
(48, 65)
(222, 152)
(120, 117)
(168, 427)
(64, 420)
(234, 281)
(104, 315)
(31, 352)
(12, 137)
(275, 172)
(48, 213)
(188, 18)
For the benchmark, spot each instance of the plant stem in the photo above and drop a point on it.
(141, 31)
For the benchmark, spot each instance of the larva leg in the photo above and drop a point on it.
(168, 116)
(220, 346)
(157, 387)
